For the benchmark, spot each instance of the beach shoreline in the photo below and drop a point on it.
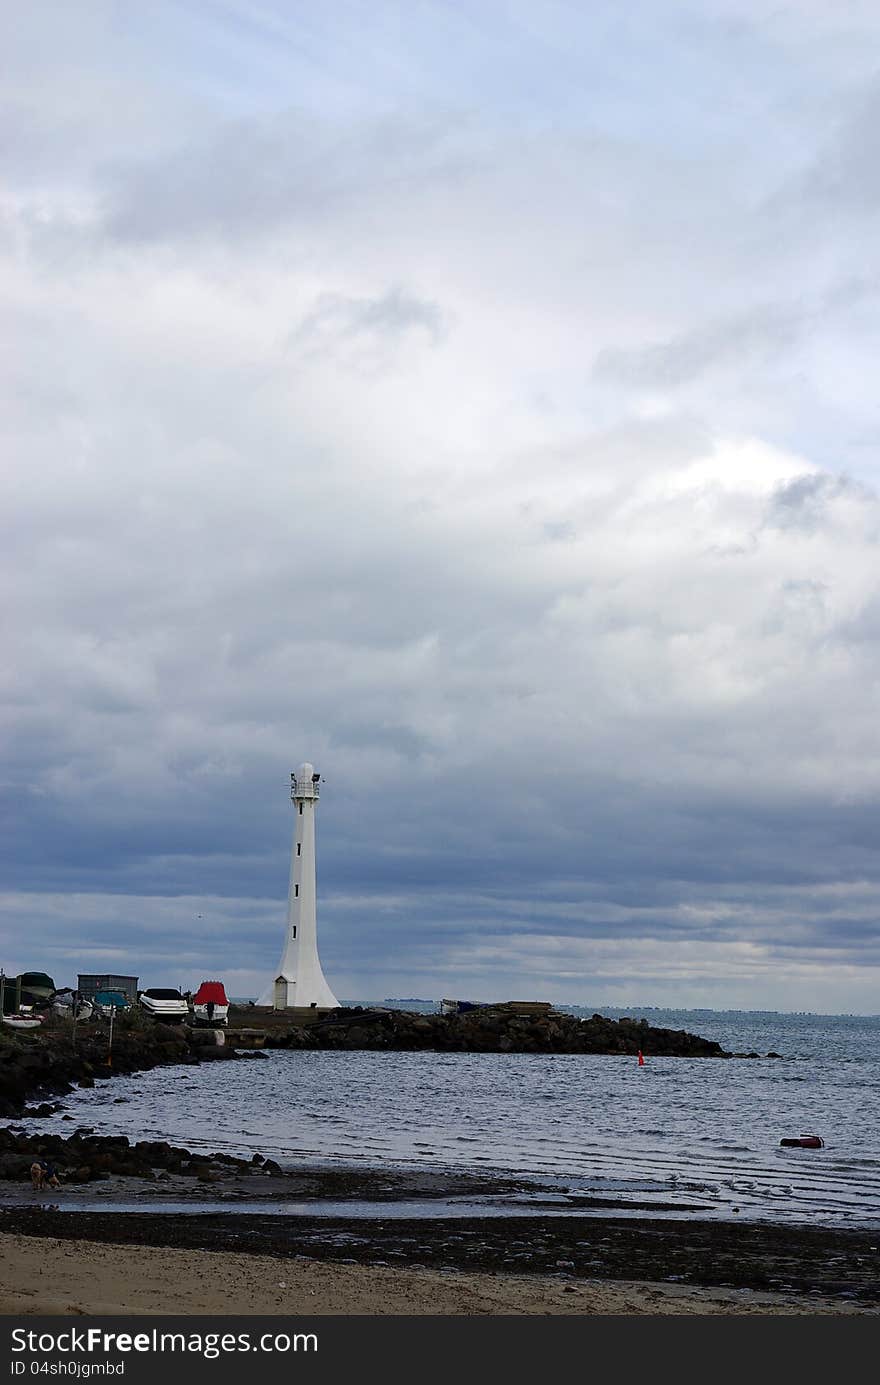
(571, 1255)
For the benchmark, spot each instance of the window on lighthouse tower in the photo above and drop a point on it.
(295, 890)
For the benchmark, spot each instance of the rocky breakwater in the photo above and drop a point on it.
(85, 1157)
(501, 1029)
(52, 1061)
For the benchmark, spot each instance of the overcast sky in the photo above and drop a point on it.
(478, 400)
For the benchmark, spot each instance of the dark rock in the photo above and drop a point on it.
(15, 1166)
(497, 1029)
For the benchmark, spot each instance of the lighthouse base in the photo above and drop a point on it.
(286, 993)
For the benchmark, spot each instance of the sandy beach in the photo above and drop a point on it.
(48, 1276)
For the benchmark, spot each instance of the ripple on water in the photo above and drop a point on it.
(585, 1118)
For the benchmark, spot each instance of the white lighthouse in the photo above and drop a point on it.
(299, 981)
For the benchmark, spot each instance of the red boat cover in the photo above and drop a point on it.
(210, 990)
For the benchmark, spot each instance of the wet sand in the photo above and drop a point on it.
(581, 1260)
(52, 1276)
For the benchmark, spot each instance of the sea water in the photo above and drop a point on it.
(684, 1136)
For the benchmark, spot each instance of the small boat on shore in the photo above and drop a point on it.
(23, 1021)
(69, 1005)
(210, 1004)
(37, 984)
(462, 1007)
(804, 1142)
(164, 1003)
(110, 1003)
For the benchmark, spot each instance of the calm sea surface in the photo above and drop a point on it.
(700, 1134)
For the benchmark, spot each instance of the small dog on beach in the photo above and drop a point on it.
(43, 1175)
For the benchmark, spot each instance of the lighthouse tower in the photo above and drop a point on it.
(299, 980)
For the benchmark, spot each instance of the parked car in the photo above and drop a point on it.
(163, 1003)
(210, 1004)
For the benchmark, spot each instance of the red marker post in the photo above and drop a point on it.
(641, 1059)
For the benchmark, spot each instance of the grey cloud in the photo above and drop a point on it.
(395, 312)
(806, 503)
(560, 531)
(744, 342)
(845, 178)
(367, 333)
(251, 177)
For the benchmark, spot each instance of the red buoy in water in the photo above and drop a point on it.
(641, 1059)
(804, 1142)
